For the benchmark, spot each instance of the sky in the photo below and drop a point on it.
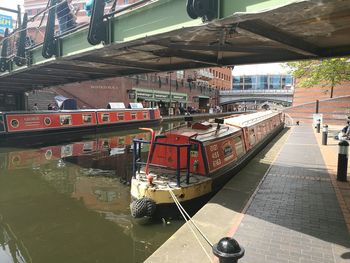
(261, 69)
(10, 4)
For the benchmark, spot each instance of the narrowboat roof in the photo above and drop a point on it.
(249, 119)
(206, 135)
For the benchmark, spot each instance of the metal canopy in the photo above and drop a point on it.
(300, 30)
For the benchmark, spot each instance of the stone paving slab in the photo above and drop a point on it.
(295, 215)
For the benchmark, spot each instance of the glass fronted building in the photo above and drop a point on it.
(272, 76)
(262, 82)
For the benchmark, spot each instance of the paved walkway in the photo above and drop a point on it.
(295, 215)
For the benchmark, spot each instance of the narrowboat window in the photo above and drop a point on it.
(66, 119)
(239, 146)
(14, 123)
(133, 115)
(121, 141)
(87, 118)
(194, 150)
(47, 121)
(145, 114)
(252, 137)
(105, 117)
(120, 116)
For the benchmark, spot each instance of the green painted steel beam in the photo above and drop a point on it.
(156, 18)
(159, 17)
(229, 7)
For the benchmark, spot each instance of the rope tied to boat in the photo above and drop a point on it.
(187, 218)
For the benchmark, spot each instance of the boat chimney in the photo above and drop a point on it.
(218, 121)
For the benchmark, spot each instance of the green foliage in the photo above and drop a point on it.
(325, 72)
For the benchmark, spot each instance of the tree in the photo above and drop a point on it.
(327, 72)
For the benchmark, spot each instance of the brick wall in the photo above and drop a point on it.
(335, 111)
(97, 94)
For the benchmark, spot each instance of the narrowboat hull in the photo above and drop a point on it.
(31, 128)
(194, 195)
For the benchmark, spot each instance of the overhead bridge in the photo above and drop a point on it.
(169, 35)
(236, 96)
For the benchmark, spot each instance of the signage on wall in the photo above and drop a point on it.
(144, 95)
(179, 97)
(5, 22)
(161, 96)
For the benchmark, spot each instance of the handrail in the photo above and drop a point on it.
(254, 91)
(126, 8)
(258, 118)
(137, 162)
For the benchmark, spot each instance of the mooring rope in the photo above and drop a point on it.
(188, 218)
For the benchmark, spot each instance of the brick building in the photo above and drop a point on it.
(334, 110)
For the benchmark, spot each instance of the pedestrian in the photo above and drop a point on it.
(35, 107)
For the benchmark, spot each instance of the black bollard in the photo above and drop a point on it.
(228, 250)
(324, 134)
(318, 126)
(342, 170)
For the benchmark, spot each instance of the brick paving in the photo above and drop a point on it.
(295, 215)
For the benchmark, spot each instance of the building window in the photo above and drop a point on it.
(180, 74)
(275, 82)
(262, 82)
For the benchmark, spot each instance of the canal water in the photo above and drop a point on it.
(70, 203)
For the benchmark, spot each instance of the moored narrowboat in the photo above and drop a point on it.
(16, 127)
(195, 161)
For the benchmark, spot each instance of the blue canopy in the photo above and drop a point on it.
(64, 103)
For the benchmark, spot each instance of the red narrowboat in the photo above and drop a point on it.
(194, 162)
(25, 126)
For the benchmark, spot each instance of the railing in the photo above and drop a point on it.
(42, 28)
(137, 161)
(254, 91)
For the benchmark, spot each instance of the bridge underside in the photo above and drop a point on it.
(301, 30)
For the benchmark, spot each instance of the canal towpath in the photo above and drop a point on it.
(284, 206)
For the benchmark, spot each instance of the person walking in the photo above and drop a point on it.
(35, 107)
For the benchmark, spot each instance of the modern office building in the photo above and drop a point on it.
(260, 85)
(273, 76)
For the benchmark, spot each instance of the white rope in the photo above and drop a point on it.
(183, 212)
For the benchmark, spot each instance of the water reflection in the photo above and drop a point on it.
(70, 203)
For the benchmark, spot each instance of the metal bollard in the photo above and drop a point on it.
(228, 250)
(342, 169)
(324, 134)
(318, 126)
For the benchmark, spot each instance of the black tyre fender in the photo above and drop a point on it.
(190, 10)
